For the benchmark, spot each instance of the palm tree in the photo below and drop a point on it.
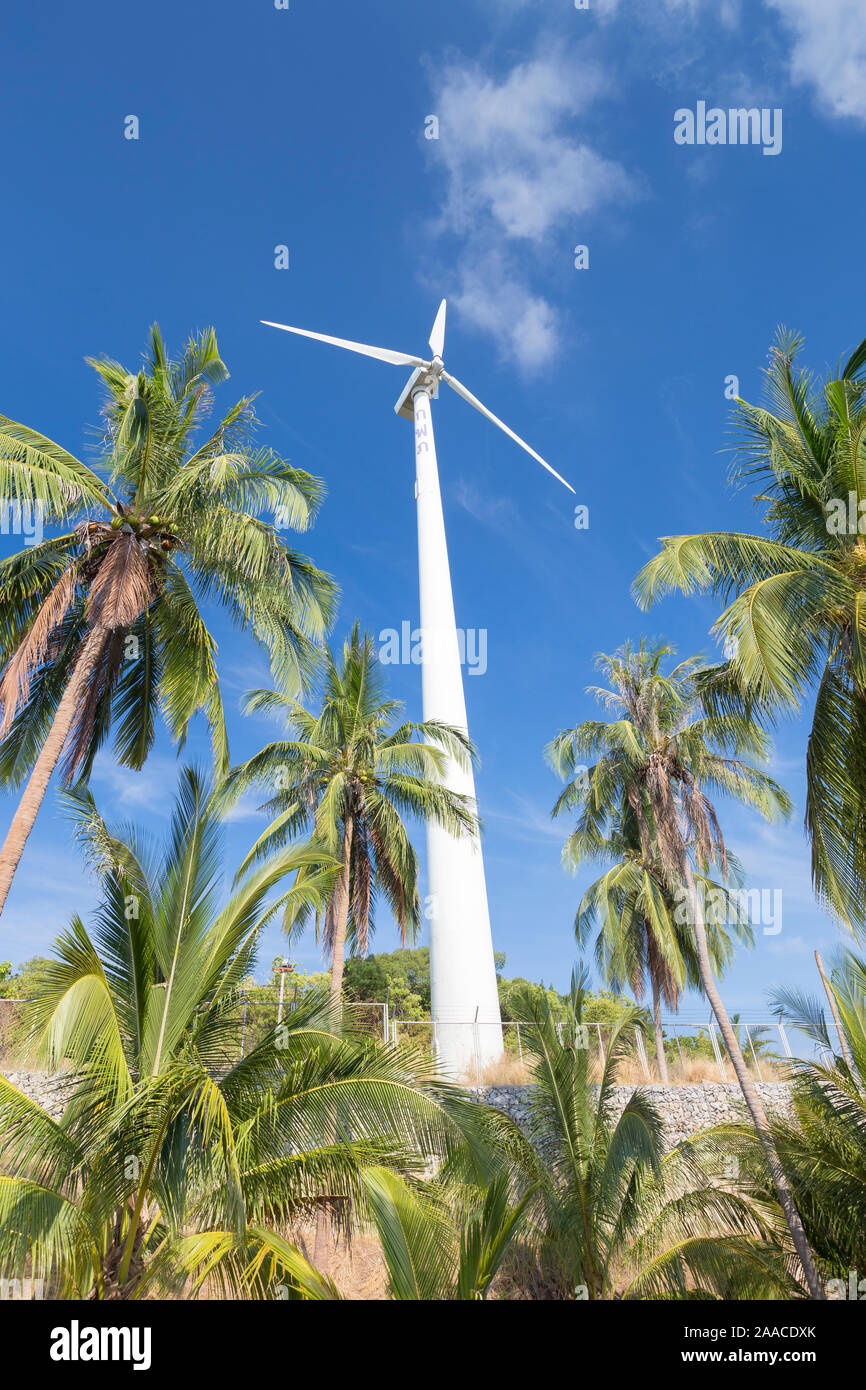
(350, 772)
(176, 1161)
(634, 915)
(102, 622)
(612, 1216)
(796, 614)
(658, 756)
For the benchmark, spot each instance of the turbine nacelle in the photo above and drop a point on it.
(426, 376)
(422, 379)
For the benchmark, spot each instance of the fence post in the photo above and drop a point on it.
(475, 1044)
(680, 1051)
(716, 1050)
(519, 1043)
(641, 1052)
(784, 1036)
(386, 1025)
(754, 1053)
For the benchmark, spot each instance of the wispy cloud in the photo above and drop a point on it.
(790, 946)
(151, 789)
(238, 677)
(499, 514)
(776, 857)
(495, 300)
(49, 888)
(665, 11)
(527, 821)
(247, 808)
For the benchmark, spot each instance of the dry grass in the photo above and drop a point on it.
(510, 1071)
(507, 1071)
(697, 1069)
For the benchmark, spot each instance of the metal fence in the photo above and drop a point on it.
(682, 1039)
(693, 1044)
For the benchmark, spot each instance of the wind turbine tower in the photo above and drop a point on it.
(467, 1023)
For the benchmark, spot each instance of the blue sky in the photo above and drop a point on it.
(306, 128)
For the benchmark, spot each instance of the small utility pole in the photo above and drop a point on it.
(282, 970)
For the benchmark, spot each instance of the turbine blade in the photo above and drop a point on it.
(397, 359)
(437, 337)
(473, 400)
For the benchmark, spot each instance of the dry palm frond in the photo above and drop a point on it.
(33, 650)
(104, 673)
(121, 589)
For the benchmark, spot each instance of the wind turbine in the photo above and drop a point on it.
(467, 1023)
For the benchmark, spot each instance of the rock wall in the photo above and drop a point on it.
(49, 1091)
(684, 1109)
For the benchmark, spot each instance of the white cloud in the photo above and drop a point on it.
(519, 174)
(829, 52)
(511, 151)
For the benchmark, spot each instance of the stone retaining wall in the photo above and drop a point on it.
(684, 1109)
(50, 1091)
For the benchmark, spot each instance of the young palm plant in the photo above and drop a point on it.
(634, 915)
(796, 614)
(611, 1215)
(101, 622)
(824, 1147)
(350, 773)
(176, 1162)
(443, 1241)
(661, 755)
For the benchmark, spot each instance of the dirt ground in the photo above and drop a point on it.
(355, 1266)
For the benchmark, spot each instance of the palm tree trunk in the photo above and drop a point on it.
(37, 785)
(661, 1060)
(341, 921)
(750, 1095)
(321, 1248)
(835, 1012)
